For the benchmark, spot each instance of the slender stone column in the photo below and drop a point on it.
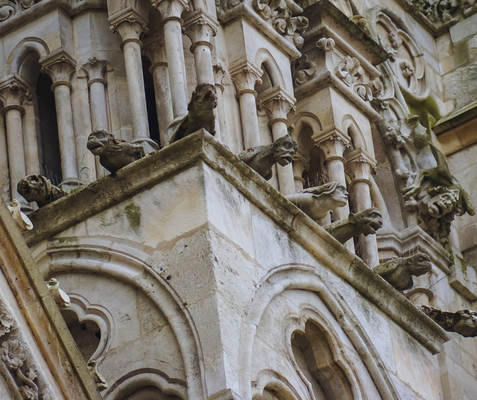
(245, 76)
(4, 173)
(32, 161)
(60, 66)
(278, 103)
(171, 11)
(300, 165)
(219, 111)
(156, 52)
(95, 68)
(360, 165)
(13, 91)
(130, 25)
(200, 28)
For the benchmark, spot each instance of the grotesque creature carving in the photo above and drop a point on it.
(98, 378)
(38, 188)
(399, 271)
(366, 222)
(434, 193)
(22, 221)
(262, 158)
(317, 201)
(463, 322)
(114, 154)
(201, 114)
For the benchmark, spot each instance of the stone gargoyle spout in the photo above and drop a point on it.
(317, 201)
(399, 271)
(113, 153)
(263, 158)
(38, 188)
(201, 114)
(366, 222)
(463, 322)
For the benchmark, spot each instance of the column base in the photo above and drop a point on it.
(149, 145)
(70, 185)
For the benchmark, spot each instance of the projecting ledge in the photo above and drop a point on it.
(201, 149)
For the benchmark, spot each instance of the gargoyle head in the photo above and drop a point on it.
(369, 220)
(34, 187)
(419, 264)
(204, 98)
(442, 202)
(284, 149)
(335, 190)
(98, 140)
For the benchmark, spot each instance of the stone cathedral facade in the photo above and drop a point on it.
(239, 199)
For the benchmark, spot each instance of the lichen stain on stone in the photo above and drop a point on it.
(463, 267)
(133, 214)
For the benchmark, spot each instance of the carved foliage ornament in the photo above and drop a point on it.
(281, 18)
(8, 8)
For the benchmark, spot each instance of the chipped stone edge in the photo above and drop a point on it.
(202, 147)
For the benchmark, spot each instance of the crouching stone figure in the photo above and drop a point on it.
(201, 114)
(114, 154)
(263, 158)
(317, 201)
(463, 322)
(38, 188)
(399, 271)
(366, 222)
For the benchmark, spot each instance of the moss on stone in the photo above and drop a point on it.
(133, 214)
(463, 267)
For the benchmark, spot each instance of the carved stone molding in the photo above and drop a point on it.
(95, 69)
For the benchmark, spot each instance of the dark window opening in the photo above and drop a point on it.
(50, 161)
(87, 334)
(150, 101)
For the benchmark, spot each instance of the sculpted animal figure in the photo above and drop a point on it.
(114, 154)
(366, 222)
(317, 201)
(399, 271)
(262, 158)
(201, 114)
(463, 322)
(38, 188)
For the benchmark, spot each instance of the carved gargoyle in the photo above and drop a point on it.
(317, 201)
(463, 322)
(263, 158)
(114, 154)
(366, 222)
(38, 188)
(399, 271)
(201, 114)
(435, 193)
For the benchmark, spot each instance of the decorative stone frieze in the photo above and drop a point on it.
(439, 15)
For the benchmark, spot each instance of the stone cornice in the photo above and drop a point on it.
(201, 147)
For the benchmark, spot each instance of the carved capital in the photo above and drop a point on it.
(156, 52)
(245, 75)
(129, 24)
(95, 68)
(219, 75)
(333, 142)
(360, 165)
(59, 67)
(278, 103)
(170, 9)
(200, 28)
(13, 91)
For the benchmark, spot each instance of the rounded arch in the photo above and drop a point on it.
(271, 380)
(89, 258)
(142, 378)
(265, 58)
(352, 129)
(306, 119)
(22, 50)
(303, 277)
